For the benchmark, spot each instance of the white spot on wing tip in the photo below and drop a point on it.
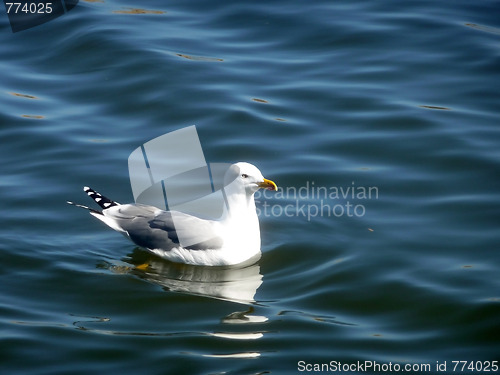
(86, 188)
(98, 199)
(107, 204)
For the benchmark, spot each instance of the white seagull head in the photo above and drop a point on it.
(248, 178)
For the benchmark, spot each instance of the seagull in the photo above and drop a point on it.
(179, 237)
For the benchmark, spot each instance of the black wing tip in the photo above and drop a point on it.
(101, 200)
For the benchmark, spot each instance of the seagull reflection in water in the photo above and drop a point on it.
(230, 283)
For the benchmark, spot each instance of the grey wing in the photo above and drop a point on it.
(149, 227)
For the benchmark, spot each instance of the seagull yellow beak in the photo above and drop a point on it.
(268, 184)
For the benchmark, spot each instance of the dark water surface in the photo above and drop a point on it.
(385, 113)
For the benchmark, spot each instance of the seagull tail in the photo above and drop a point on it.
(101, 200)
(105, 203)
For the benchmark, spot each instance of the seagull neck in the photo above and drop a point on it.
(239, 207)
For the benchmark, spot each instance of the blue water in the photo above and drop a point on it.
(399, 97)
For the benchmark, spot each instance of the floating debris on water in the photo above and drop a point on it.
(198, 58)
(488, 29)
(37, 117)
(23, 95)
(435, 107)
(138, 11)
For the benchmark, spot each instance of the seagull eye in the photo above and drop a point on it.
(244, 175)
